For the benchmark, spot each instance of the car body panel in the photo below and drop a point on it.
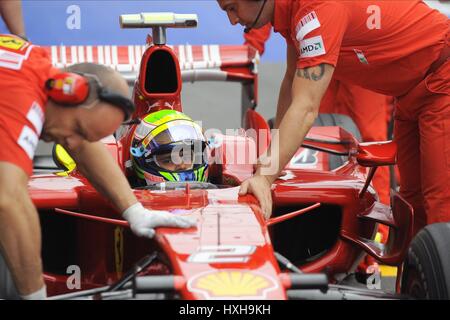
(230, 254)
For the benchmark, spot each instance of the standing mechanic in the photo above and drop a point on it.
(368, 109)
(75, 110)
(11, 13)
(396, 48)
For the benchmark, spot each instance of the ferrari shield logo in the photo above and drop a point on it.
(11, 43)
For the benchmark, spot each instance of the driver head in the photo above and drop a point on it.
(169, 146)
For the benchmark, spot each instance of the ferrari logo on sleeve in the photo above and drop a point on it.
(312, 47)
(13, 52)
(232, 284)
(12, 43)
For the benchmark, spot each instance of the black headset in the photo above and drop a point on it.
(248, 29)
(118, 100)
(73, 88)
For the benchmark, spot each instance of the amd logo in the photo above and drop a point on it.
(311, 48)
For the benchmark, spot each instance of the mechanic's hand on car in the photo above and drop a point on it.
(143, 221)
(260, 187)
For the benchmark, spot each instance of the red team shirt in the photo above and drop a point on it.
(24, 68)
(387, 47)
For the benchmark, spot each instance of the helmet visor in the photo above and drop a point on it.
(177, 160)
(172, 132)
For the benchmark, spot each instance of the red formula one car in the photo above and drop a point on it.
(324, 219)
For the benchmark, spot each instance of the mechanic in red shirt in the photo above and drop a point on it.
(74, 110)
(367, 108)
(396, 48)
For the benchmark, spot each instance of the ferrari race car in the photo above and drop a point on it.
(325, 212)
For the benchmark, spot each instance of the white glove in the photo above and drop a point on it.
(143, 221)
(41, 294)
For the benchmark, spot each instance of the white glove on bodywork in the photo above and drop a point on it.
(143, 221)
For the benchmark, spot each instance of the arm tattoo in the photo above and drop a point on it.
(313, 73)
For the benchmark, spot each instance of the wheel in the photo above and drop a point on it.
(426, 272)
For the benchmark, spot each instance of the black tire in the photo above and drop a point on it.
(426, 272)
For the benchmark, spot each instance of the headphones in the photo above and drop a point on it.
(72, 89)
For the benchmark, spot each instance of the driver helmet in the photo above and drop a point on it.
(169, 146)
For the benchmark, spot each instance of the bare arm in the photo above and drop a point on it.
(308, 88)
(11, 12)
(285, 97)
(20, 235)
(98, 166)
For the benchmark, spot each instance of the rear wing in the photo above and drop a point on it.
(207, 62)
(236, 63)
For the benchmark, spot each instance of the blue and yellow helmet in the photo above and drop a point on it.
(169, 146)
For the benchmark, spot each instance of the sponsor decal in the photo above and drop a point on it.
(361, 57)
(28, 141)
(36, 117)
(67, 85)
(12, 43)
(222, 254)
(312, 47)
(10, 60)
(232, 284)
(13, 52)
(308, 23)
(306, 159)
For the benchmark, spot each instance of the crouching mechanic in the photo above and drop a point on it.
(75, 108)
(168, 146)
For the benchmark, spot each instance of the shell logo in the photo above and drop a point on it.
(232, 284)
